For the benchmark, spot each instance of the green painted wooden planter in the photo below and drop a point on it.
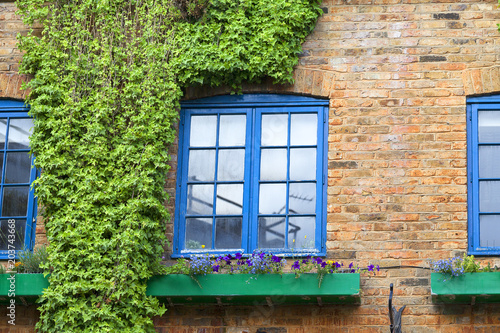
(469, 288)
(25, 287)
(270, 289)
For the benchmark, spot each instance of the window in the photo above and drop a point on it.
(17, 202)
(251, 175)
(483, 161)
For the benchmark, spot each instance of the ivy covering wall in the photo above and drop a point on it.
(107, 80)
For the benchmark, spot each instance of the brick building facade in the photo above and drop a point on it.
(397, 74)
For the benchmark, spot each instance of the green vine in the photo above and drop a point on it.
(107, 80)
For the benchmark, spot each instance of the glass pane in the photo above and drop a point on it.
(3, 131)
(203, 131)
(274, 130)
(15, 201)
(1, 166)
(489, 196)
(271, 232)
(273, 164)
(304, 129)
(232, 130)
(489, 161)
(201, 165)
(17, 168)
(272, 199)
(229, 199)
(228, 233)
(302, 198)
(231, 164)
(489, 126)
(198, 233)
(489, 230)
(200, 199)
(301, 231)
(18, 230)
(19, 132)
(303, 164)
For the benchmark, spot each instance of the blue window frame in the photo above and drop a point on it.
(17, 201)
(251, 175)
(483, 160)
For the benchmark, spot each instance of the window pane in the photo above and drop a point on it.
(198, 233)
(201, 165)
(489, 161)
(15, 201)
(303, 164)
(3, 131)
(200, 199)
(18, 167)
(231, 164)
(301, 232)
(272, 199)
(19, 132)
(304, 129)
(1, 166)
(229, 199)
(274, 130)
(271, 232)
(489, 230)
(489, 196)
(232, 130)
(489, 126)
(203, 131)
(228, 233)
(302, 198)
(19, 231)
(273, 164)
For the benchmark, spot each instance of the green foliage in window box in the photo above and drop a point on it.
(32, 261)
(107, 80)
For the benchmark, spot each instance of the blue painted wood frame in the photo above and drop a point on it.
(252, 105)
(12, 109)
(474, 105)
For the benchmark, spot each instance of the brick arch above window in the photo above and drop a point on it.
(482, 80)
(10, 86)
(314, 83)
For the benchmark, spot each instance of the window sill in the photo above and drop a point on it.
(250, 289)
(469, 288)
(222, 289)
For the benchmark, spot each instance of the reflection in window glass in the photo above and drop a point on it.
(17, 168)
(272, 232)
(304, 129)
(301, 232)
(228, 232)
(273, 164)
(231, 165)
(20, 230)
(15, 201)
(232, 130)
(19, 132)
(198, 233)
(274, 130)
(203, 131)
(201, 165)
(200, 199)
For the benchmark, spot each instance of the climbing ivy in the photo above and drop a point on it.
(107, 80)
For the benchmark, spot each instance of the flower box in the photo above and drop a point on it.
(26, 287)
(250, 289)
(469, 288)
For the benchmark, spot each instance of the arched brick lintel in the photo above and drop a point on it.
(10, 86)
(308, 82)
(481, 81)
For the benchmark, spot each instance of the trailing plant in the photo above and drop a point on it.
(107, 80)
(32, 261)
(458, 266)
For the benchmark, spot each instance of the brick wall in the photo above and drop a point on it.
(397, 73)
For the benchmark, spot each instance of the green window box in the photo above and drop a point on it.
(469, 288)
(250, 289)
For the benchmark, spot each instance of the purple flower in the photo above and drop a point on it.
(238, 255)
(378, 268)
(305, 261)
(370, 268)
(350, 265)
(317, 260)
(338, 265)
(323, 264)
(261, 255)
(249, 263)
(215, 268)
(296, 265)
(276, 259)
(331, 270)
